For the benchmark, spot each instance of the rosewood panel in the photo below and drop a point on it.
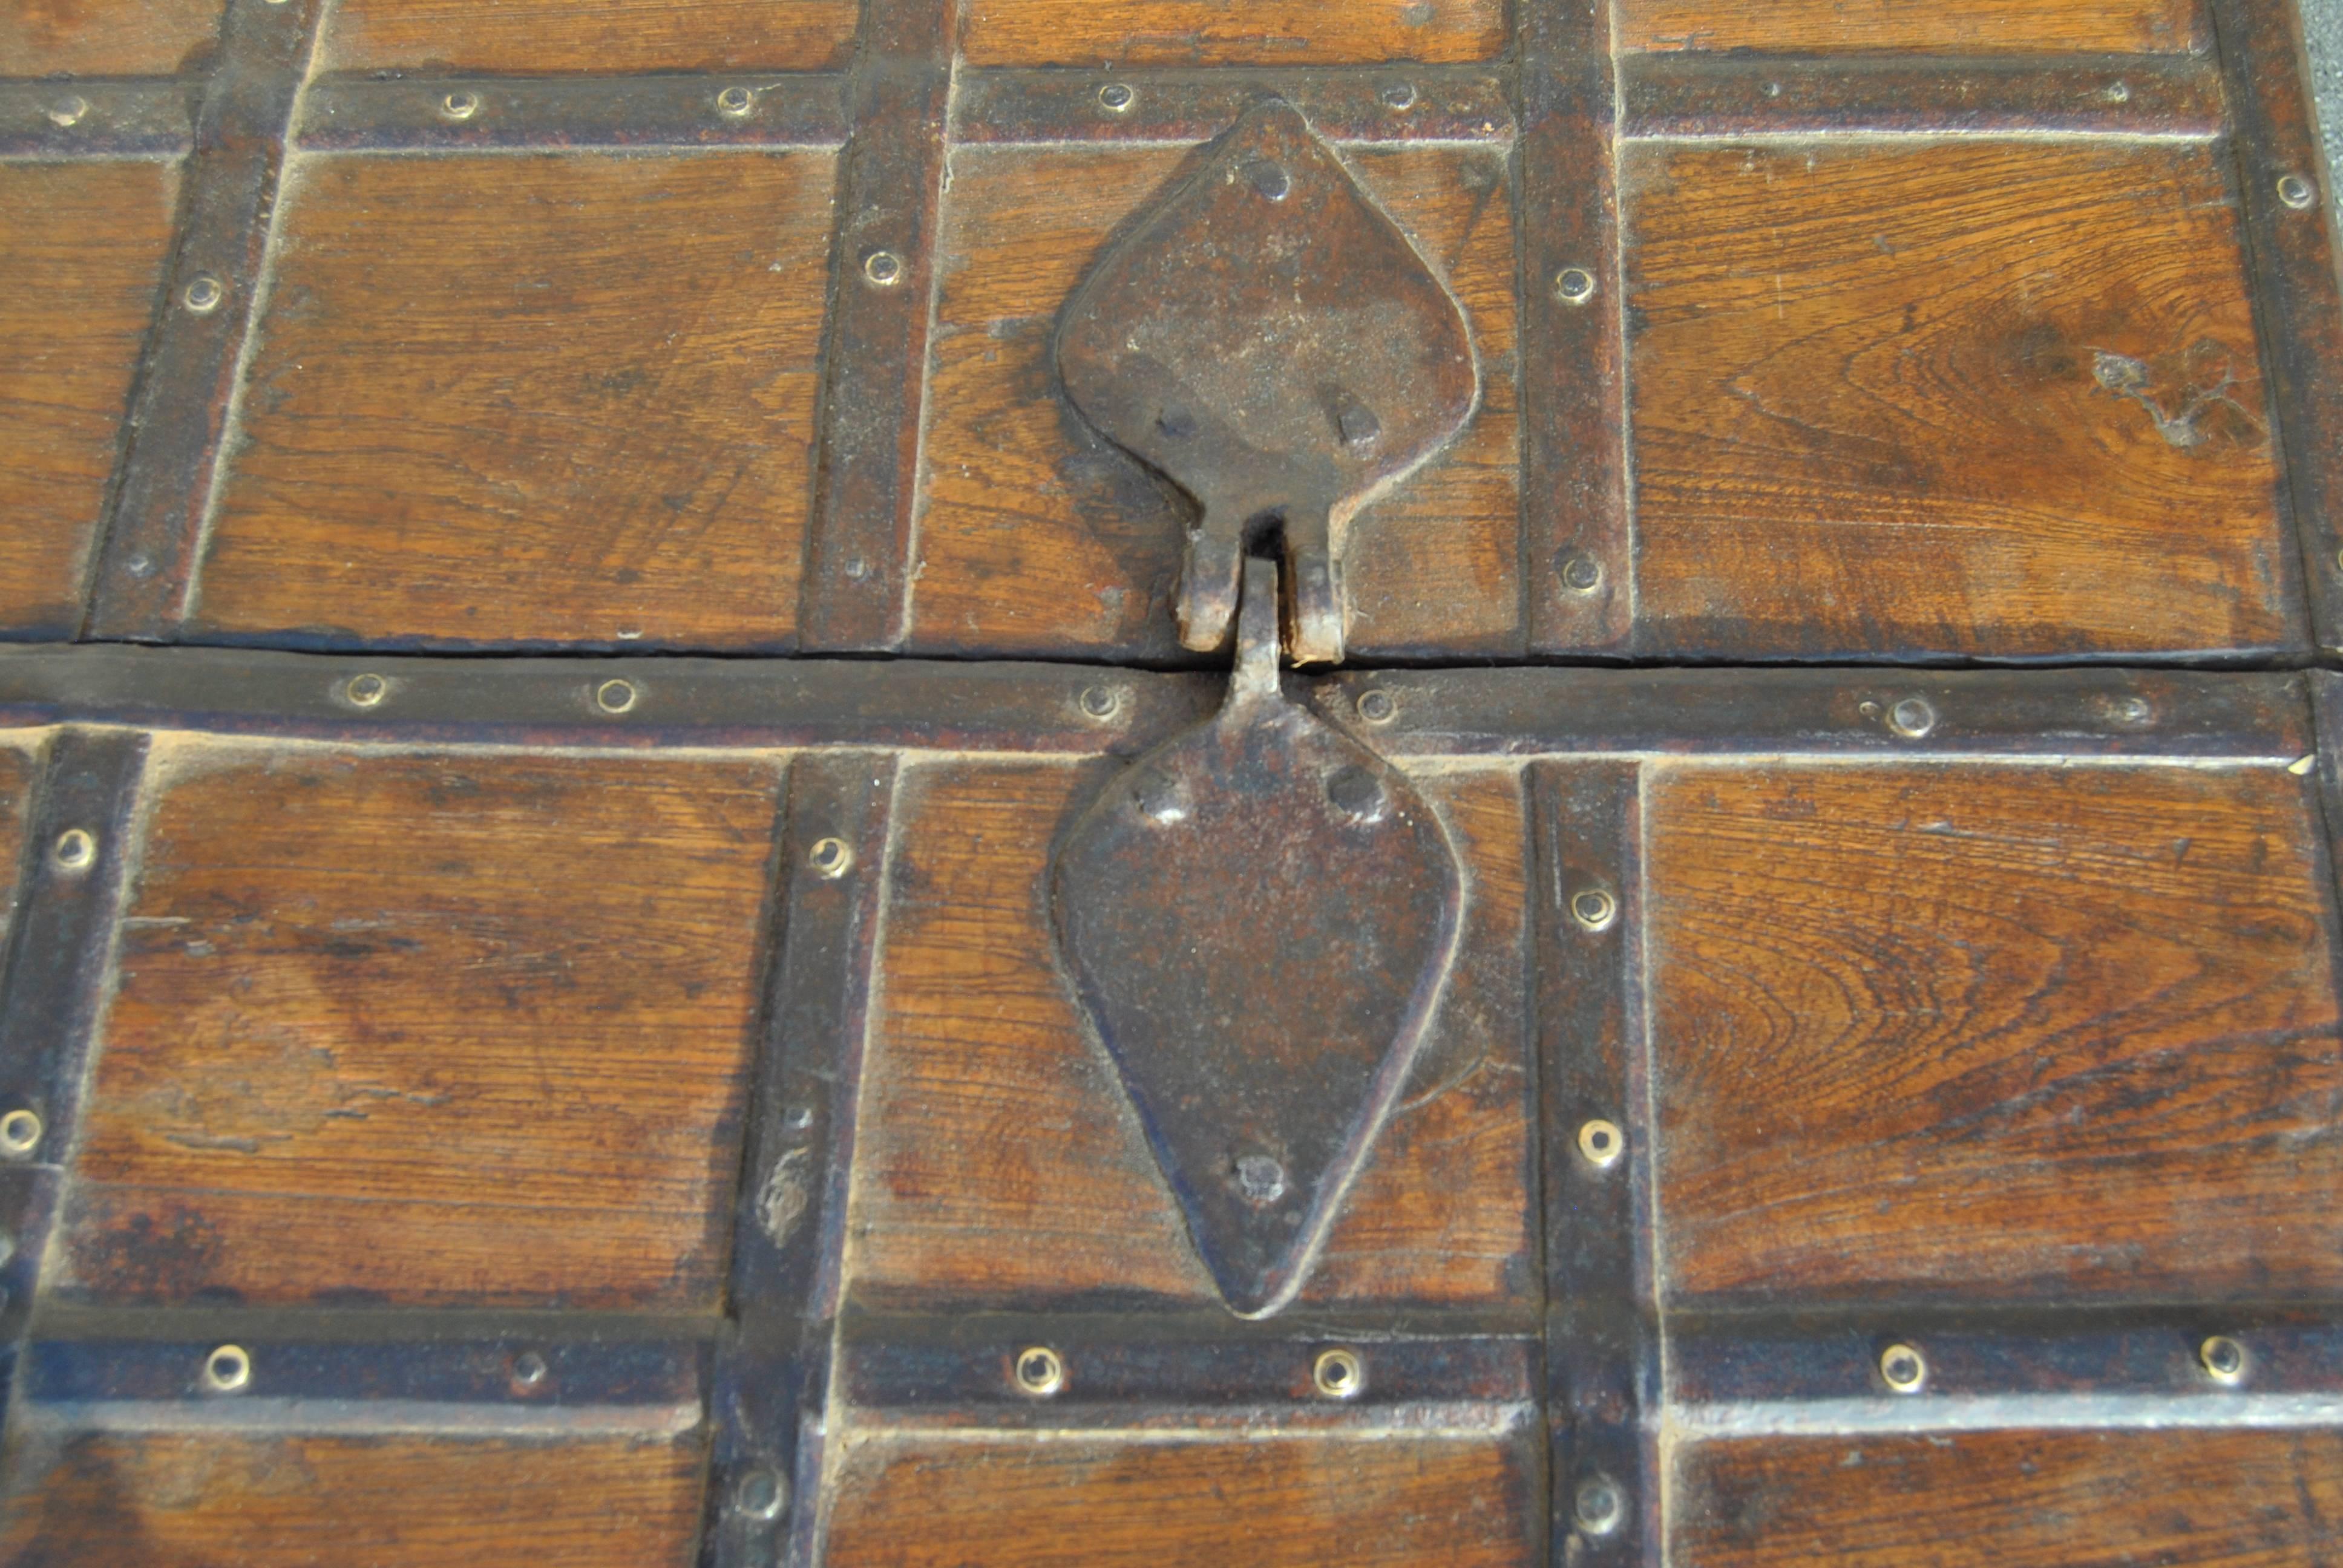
(1272, 1499)
(414, 1028)
(1210, 32)
(2080, 1499)
(998, 1159)
(1993, 1033)
(1952, 26)
(587, 421)
(530, 36)
(84, 255)
(1983, 398)
(107, 37)
(1039, 536)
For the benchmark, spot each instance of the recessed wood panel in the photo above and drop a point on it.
(2082, 1499)
(1039, 537)
(162, 1499)
(1991, 397)
(1269, 1501)
(1952, 26)
(1943, 1032)
(554, 399)
(84, 257)
(1212, 32)
(998, 1158)
(528, 37)
(107, 37)
(428, 1028)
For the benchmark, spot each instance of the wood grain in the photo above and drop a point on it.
(528, 37)
(427, 1030)
(1298, 1501)
(2010, 1031)
(587, 421)
(998, 1159)
(18, 767)
(1976, 397)
(83, 258)
(1039, 536)
(1950, 26)
(202, 1499)
(106, 38)
(1994, 1499)
(1212, 32)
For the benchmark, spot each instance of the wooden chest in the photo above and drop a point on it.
(668, 901)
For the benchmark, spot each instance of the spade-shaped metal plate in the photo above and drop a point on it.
(1259, 916)
(1270, 341)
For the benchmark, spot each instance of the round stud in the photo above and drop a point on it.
(1581, 573)
(1101, 702)
(366, 690)
(829, 857)
(20, 1133)
(528, 1371)
(1039, 1372)
(2134, 710)
(734, 102)
(2298, 192)
(1600, 1143)
(1597, 1505)
(1912, 718)
(1260, 1179)
(1903, 1369)
(1377, 707)
(1593, 908)
(74, 851)
(1574, 285)
(1270, 179)
(1400, 95)
(2223, 1359)
(459, 106)
(227, 1369)
(2116, 92)
(203, 293)
(759, 1493)
(67, 110)
(884, 268)
(616, 696)
(1359, 795)
(1339, 1374)
(1116, 98)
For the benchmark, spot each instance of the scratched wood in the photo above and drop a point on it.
(84, 257)
(427, 1030)
(2086, 1499)
(106, 38)
(1268, 1501)
(530, 38)
(197, 1499)
(1954, 26)
(2000, 1032)
(998, 1159)
(1995, 397)
(588, 420)
(1212, 32)
(1041, 537)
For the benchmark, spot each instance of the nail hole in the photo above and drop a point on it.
(76, 849)
(1101, 701)
(1114, 98)
(227, 1369)
(1597, 1506)
(1040, 1373)
(203, 293)
(614, 695)
(366, 690)
(528, 1370)
(1903, 1369)
(883, 267)
(1593, 908)
(1602, 1143)
(1377, 707)
(460, 105)
(1339, 1374)
(735, 102)
(1574, 285)
(761, 1495)
(2298, 192)
(1912, 718)
(829, 857)
(20, 1133)
(2223, 1357)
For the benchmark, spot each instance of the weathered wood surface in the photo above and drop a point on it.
(525, 37)
(1207, 33)
(106, 38)
(1953, 26)
(1993, 1033)
(406, 1029)
(18, 766)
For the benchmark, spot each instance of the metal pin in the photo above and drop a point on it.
(1581, 573)
(2223, 1359)
(1574, 285)
(203, 293)
(1903, 1369)
(459, 106)
(614, 695)
(2134, 710)
(1114, 98)
(1912, 718)
(1339, 1374)
(74, 851)
(2298, 192)
(734, 102)
(1101, 702)
(884, 268)
(1261, 1179)
(1597, 1505)
(1593, 908)
(1400, 95)
(67, 110)
(366, 690)
(829, 857)
(1377, 707)
(1602, 1143)
(1039, 1372)
(761, 1494)
(227, 1369)
(20, 1133)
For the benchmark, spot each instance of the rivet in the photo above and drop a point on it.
(1602, 1143)
(528, 1370)
(67, 110)
(1358, 794)
(74, 851)
(1903, 1369)
(734, 102)
(366, 690)
(2116, 92)
(1400, 95)
(2298, 192)
(1270, 179)
(1101, 701)
(829, 857)
(1162, 798)
(1597, 1506)
(614, 695)
(2134, 710)
(227, 1369)
(1574, 285)
(2223, 1359)
(1581, 573)
(203, 293)
(1593, 908)
(1115, 98)
(1912, 718)
(759, 1493)
(797, 1118)
(884, 268)
(1260, 1179)
(1339, 1374)
(1357, 425)
(140, 566)
(20, 1133)
(1039, 1371)
(459, 106)
(1377, 707)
